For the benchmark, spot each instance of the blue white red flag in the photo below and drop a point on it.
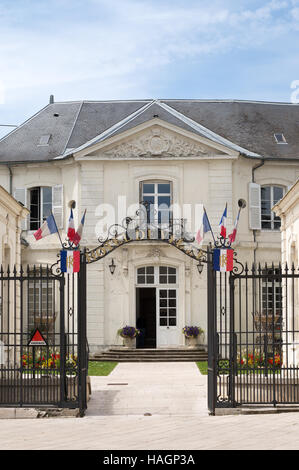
(232, 236)
(48, 227)
(204, 228)
(71, 227)
(222, 223)
(70, 261)
(78, 234)
(223, 259)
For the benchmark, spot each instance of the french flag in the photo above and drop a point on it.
(48, 227)
(223, 260)
(78, 234)
(205, 227)
(71, 228)
(222, 223)
(232, 236)
(70, 261)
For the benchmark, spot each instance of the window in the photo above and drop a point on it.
(156, 275)
(146, 275)
(272, 293)
(41, 304)
(270, 195)
(157, 197)
(167, 275)
(167, 307)
(44, 140)
(40, 200)
(280, 138)
(268, 320)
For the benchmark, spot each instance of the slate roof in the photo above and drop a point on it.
(246, 126)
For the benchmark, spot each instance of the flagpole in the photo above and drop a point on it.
(237, 220)
(210, 225)
(57, 229)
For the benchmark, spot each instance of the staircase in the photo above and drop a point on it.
(121, 354)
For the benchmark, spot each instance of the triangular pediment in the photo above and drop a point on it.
(156, 139)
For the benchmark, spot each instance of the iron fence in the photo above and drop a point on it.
(52, 371)
(254, 337)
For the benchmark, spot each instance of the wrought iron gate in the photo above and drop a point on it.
(53, 303)
(253, 326)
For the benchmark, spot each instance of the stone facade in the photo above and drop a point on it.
(200, 172)
(11, 215)
(288, 210)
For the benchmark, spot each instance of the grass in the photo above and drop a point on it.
(100, 368)
(203, 367)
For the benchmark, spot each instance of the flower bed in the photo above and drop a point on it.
(257, 360)
(48, 363)
(253, 363)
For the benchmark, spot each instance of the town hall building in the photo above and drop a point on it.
(172, 157)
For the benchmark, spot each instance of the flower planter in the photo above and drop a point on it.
(192, 335)
(129, 342)
(192, 342)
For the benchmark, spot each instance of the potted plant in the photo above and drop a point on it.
(191, 334)
(128, 333)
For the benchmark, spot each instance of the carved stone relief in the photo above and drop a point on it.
(158, 142)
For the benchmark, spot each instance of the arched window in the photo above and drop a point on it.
(146, 275)
(149, 275)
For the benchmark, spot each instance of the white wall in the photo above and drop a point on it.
(212, 179)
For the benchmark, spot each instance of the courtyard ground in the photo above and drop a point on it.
(152, 406)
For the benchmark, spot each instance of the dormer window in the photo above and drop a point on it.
(44, 140)
(280, 138)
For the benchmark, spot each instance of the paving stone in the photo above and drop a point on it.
(26, 413)
(7, 413)
(183, 424)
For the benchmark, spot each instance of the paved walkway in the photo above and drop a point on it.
(159, 388)
(175, 396)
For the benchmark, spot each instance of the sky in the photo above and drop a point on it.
(136, 49)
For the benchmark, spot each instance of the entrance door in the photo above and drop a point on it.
(157, 306)
(146, 317)
(167, 332)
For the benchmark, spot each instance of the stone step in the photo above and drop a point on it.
(121, 354)
(155, 351)
(151, 355)
(148, 359)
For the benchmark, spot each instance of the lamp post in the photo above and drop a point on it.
(112, 267)
(200, 267)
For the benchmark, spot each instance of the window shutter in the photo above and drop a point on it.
(57, 204)
(254, 206)
(21, 196)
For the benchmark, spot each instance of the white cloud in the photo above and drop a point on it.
(122, 44)
(295, 13)
(2, 93)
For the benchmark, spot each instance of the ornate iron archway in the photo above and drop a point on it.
(138, 229)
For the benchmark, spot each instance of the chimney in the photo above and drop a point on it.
(51, 99)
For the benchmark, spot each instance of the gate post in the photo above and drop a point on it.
(232, 342)
(82, 339)
(212, 334)
(63, 379)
